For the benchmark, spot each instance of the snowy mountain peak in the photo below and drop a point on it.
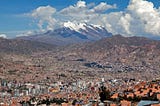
(84, 27)
(98, 26)
(75, 26)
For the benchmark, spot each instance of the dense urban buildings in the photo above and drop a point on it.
(81, 93)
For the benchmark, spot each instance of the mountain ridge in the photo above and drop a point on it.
(19, 46)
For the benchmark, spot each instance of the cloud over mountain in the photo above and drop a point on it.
(3, 36)
(102, 7)
(148, 17)
(45, 15)
(139, 18)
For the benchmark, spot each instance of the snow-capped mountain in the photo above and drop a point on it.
(92, 32)
(71, 33)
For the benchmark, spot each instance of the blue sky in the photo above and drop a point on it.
(13, 21)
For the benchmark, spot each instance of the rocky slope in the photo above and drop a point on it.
(17, 46)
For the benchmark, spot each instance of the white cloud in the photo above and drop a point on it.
(29, 33)
(146, 14)
(139, 18)
(77, 12)
(125, 23)
(81, 4)
(102, 7)
(3, 36)
(82, 12)
(26, 33)
(112, 22)
(45, 16)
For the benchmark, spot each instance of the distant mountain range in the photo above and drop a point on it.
(19, 46)
(70, 34)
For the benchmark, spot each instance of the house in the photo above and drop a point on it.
(158, 96)
(125, 103)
